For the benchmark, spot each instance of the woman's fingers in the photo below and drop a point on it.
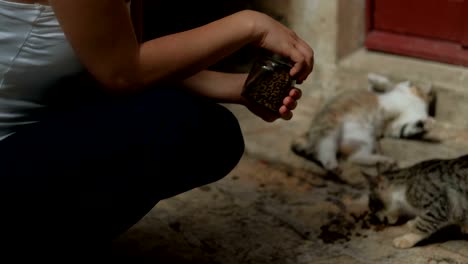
(285, 113)
(295, 93)
(308, 54)
(290, 103)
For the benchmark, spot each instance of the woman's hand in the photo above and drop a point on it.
(227, 88)
(285, 111)
(274, 36)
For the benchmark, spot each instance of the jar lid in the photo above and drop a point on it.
(281, 59)
(276, 57)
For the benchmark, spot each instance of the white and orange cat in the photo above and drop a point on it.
(351, 123)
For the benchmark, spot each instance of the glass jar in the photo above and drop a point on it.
(269, 81)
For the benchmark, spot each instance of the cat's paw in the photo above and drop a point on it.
(407, 240)
(402, 242)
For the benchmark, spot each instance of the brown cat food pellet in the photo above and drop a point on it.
(268, 82)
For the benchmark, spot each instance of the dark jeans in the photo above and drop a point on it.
(84, 175)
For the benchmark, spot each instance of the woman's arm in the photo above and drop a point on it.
(227, 88)
(103, 37)
(223, 87)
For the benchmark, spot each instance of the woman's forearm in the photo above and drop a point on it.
(183, 54)
(221, 87)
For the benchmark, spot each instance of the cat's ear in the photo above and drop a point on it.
(379, 83)
(426, 88)
(430, 96)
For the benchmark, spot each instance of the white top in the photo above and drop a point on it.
(33, 55)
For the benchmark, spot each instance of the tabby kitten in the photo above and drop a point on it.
(350, 124)
(433, 193)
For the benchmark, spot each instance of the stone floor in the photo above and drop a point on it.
(277, 208)
(273, 213)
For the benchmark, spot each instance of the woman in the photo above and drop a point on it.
(82, 161)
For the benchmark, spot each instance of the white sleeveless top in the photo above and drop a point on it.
(34, 54)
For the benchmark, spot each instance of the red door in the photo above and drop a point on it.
(428, 29)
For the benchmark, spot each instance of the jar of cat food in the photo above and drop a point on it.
(268, 81)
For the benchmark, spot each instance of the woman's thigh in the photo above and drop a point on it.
(98, 169)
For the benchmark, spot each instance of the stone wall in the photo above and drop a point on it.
(336, 30)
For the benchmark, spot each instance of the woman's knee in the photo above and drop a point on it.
(209, 124)
(234, 145)
(224, 144)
